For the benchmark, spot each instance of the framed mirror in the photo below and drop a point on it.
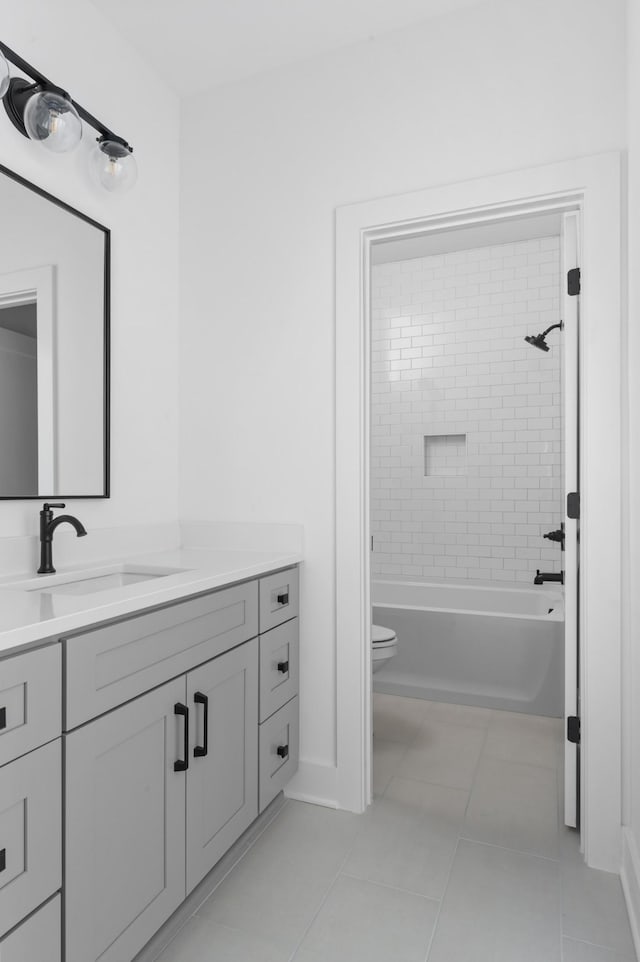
(54, 347)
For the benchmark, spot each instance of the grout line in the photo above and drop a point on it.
(444, 895)
(594, 945)
(505, 848)
(392, 888)
(322, 901)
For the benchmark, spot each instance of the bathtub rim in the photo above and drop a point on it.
(556, 615)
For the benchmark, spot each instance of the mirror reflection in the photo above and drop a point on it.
(53, 347)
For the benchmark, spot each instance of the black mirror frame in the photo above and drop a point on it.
(106, 348)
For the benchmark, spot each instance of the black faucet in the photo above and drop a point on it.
(542, 576)
(47, 527)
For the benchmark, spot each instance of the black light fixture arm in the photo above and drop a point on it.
(39, 78)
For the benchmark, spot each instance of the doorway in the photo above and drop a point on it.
(592, 185)
(472, 414)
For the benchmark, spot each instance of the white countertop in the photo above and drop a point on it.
(27, 618)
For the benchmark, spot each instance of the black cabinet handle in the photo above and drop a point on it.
(282, 751)
(201, 750)
(182, 764)
(3, 859)
(283, 599)
(3, 718)
(283, 666)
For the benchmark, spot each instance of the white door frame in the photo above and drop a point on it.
(594, 185)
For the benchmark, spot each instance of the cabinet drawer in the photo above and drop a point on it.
(111, 665)
(279, 670)
(30, 701)
(36, 940)
(278, 752)
(278, 598)
(30, 832)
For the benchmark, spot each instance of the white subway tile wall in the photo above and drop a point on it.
(450, 368)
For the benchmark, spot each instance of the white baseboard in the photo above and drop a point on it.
(313, 783)
(630, 878)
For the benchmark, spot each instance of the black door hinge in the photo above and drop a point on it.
(573, 505)
(573, 282)
(573, 729)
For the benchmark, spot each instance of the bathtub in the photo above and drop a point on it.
(496, 647)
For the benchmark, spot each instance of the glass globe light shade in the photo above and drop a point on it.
(114, 166)
(5, 76)
(52, 120)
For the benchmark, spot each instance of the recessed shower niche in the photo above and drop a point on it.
(445, 455)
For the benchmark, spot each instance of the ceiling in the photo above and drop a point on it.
(198, 44)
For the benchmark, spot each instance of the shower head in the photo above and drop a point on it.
(538, 340)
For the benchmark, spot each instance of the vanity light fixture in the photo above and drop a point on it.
(46, 113)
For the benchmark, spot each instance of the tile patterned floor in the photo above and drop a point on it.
(461, 858)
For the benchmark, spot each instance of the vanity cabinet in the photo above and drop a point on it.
(279, 681)
(157, 791)
(124, 839)
(30, 790)
(37, 939)
(172, 729)
(222, 779)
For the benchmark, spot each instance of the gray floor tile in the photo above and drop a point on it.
(499, 906)
(363, 922)
(443, 754)
(524, 738)
(408, 837)
(275, 890)
(448, 714)
(593, 907)
(397, 719)
(515, 806)
(202, 940)
(584, 952)
(387, 758)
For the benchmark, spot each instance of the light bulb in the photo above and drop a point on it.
(51, 119)
(5, 76)
(114, 166)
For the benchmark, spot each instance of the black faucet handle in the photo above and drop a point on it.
(48, 507)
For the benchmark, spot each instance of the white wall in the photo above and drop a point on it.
(451, 373)
(502, 86)
(71, 43)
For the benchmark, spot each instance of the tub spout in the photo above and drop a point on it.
(542, 576)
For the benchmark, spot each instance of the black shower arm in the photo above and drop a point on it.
(552, 328)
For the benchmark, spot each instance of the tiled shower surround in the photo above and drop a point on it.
(466, 417)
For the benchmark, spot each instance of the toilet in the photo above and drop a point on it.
(384, 643)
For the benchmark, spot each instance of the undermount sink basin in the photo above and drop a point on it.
(92, 580)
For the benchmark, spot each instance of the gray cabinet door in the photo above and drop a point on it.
(124, 837)
(222, 790)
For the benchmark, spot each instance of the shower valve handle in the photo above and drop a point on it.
(557, 536)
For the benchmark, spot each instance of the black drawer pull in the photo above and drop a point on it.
(282, 751)
(283, 667)
(201, 750)
(283, 599)
(3, 718)
(182, 764)
(3, 859)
